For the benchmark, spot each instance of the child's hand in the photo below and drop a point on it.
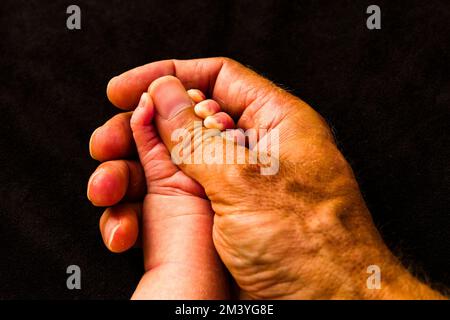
(179, 255)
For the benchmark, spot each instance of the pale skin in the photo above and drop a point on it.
(304, 233)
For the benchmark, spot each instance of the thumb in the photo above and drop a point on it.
(201, 153)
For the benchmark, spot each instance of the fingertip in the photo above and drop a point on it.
(119, 93)
(160, 81)
(108, 184)
(206, 108)
(119, 227)
(113, 140)
(91, 139)
(196, 95)
(143, 100)
(109, 87)
(219, 121)
(112, 93)
(144, 112)
(169, 96)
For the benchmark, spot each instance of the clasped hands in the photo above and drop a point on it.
(303, 232)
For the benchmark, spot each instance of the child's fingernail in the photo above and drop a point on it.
(196, 95)
(169, 96)
(212, 123)
(206, 108)
(143, 100)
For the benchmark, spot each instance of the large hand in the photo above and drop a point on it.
(118, 183)
(179, 256)
(303, 233)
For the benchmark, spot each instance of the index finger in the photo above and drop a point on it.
(228, 82)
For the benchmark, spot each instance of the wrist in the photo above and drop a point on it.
(178, 230)
(179, 256)
(354, 263)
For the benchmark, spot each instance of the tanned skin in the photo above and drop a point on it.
(303, 233)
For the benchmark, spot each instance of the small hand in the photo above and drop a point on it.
(179, 256)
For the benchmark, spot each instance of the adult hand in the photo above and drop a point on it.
(302, 233)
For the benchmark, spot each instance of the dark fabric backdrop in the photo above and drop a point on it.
(386, 93)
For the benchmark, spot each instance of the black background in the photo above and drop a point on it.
(385, 92)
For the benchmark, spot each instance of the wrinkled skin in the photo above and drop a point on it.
(304, 232)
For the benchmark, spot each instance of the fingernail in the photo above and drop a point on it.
(196, 95)
(206, 108)
(212, 123)
(91, 180)
(111, 227)
(90, 142)
(143, 100)
(169, 96)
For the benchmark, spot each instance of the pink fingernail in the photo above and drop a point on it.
(143, 100)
